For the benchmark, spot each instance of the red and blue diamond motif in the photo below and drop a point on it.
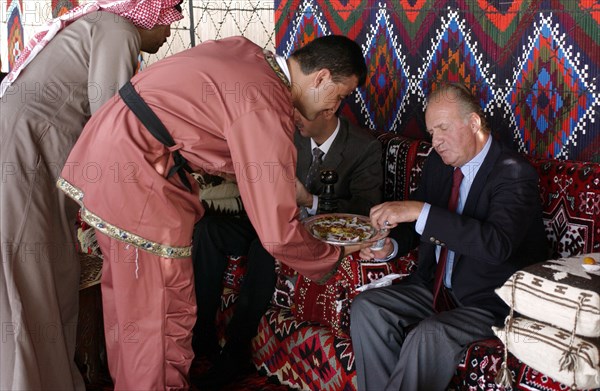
(550, 97)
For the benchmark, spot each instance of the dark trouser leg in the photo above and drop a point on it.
(432, 350)
(377, 326)
(215, 237)
(387, 358)
(252, 302)
(255, 296)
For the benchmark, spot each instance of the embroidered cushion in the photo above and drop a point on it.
(560, 292)
(403, 160)
(237, 266)
(329, 304)
(556, 353)
(570, 195)
(219, 195)
(284, 286)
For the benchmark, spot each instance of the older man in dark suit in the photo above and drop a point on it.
(478, 212)
(335, 144)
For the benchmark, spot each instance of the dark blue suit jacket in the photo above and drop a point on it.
(499, 232)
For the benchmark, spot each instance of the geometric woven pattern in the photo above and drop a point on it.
(60, 7)
(403, 160)
(480, 364)
(384, 98)
(302, 355)
(15, 31)
(550, 88)
(535, 64)
(454, 57)
(570, 194)
(329, 304)
(305, 28)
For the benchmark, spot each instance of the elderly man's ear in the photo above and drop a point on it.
(475, 122)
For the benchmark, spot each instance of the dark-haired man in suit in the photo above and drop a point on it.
(410, 336)
(356, 157)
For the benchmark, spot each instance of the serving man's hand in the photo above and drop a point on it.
(368, 253)
(347, 250)
(303, 197)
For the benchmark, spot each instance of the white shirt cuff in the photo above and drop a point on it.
(315, 204)
(420, 225)
(392, 255)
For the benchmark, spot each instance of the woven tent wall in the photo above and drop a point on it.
(535, 62)
(216, 19)
(203, 20)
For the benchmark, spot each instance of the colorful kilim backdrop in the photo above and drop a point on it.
(60, 7)
(535, 62)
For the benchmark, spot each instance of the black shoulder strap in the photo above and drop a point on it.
(149, 119)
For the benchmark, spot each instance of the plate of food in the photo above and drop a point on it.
(342, 229)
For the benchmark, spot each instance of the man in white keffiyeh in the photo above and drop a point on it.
(64, 75)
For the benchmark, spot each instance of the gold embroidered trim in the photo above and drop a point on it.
(115, 232)
(70, 190)
(270, 57)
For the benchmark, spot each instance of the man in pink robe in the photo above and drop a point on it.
(70, 67)
(229, 107)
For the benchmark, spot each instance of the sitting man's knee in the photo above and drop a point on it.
(362, 305)
(428, 329)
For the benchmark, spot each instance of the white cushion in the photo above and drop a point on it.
(552, 291)
(542, 347)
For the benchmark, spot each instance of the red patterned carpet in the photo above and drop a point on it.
(252, 382)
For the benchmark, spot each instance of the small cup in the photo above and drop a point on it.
(378, 245)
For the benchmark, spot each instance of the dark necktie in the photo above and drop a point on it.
(313, 171)
(441, 297)
(311, 177)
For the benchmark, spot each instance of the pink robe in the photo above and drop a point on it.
(228, 112)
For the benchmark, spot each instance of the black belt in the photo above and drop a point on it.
(149, 119)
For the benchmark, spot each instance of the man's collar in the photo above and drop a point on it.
(327, 144)
(471, 168)
(280, 67)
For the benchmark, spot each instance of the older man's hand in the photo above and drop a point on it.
(390, 214)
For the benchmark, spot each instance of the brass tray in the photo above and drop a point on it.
(343, 229)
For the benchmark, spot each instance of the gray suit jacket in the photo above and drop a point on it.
(356, 156)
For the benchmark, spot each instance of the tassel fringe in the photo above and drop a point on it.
(504, 377)
(568, 360)
(88, 242)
